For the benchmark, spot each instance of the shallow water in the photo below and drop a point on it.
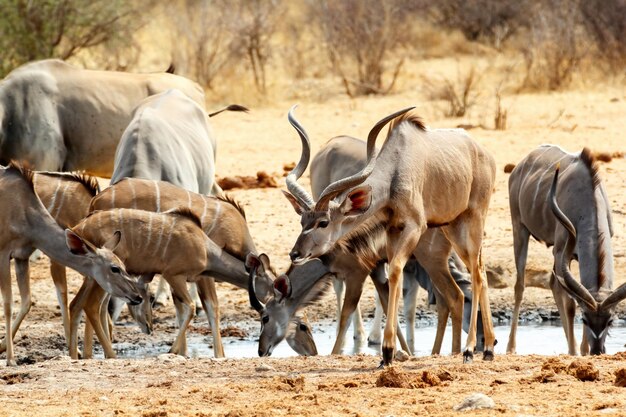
(544, 339)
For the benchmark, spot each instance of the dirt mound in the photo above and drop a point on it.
(15, 377)
(262, 180)
(555, 365)
(608, 156)
(288, 383)
(392, 377)
(583, 370)
(508, 168)
(620, 377)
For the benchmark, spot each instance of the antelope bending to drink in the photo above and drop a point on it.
(27, 225)
(438, 178)
(224, 223)
(576, 220)
(172, 244)
(66, 196)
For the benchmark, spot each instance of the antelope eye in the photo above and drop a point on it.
(115, 270)
(266, 319)
(323, 224)
(303, 327)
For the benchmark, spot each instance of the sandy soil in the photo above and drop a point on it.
(263, 141)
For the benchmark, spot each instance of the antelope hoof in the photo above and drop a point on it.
(488, 355)
(387, 355)
(381, 365)
(373, 341)
(468, 356)
(11, 362)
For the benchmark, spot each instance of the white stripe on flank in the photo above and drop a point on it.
(548, 170)
(169, 236)
(130, 232)
(62, 200)
(218, 207)
(158, 197)
(158, 245)
(132, 192)
(189, 199)
(150, 214)
(54, 197)
(112, 197)
(203, 212)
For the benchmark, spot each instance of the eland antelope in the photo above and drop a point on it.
(57, 117)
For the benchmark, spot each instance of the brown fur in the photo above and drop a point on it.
(590, 162)
(409, 117)
(362, 243)
(23, 171)
(227, 198)
(89, 182)
(185, 212)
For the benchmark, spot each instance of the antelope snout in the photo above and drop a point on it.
(294, 254)
(136, 300)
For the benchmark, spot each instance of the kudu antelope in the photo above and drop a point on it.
(172, 244)
(27, 225)
(58, 117)
(421, 178)
(575, 218)
(66, 196)
(224, 223)
(339, 158)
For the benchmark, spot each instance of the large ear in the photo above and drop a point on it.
(282, 287)
(252, 262)
(76, 244)
(295, 203)
(357, 201)
(113, 241)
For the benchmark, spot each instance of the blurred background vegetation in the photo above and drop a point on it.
(355, 47)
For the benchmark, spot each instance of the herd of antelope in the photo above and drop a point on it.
(412, 213)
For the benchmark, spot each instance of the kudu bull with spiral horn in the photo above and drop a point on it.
(421, 178)
(575, 218)
(352, 258)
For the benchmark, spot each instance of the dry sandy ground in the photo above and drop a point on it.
(263, 141)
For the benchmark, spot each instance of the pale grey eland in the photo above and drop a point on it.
(575, 218)
(27, 224)
(57, 117)
(172, 244)
(66, 196)
(422, 178)
(169, 138)
(223, 221)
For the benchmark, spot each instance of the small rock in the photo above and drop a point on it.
(170, 357)
(402, 356)
(475, 401)
(264, 368)
(620, 377)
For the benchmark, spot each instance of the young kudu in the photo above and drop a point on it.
(422, 178)
(575, 218)
(172, 244)
(27, 224)
(224, 223)
(66, 196)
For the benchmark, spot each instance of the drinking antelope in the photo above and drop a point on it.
(223, 221)
(438, 178)
(27, 224)
(66, 196)
(572, 214)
